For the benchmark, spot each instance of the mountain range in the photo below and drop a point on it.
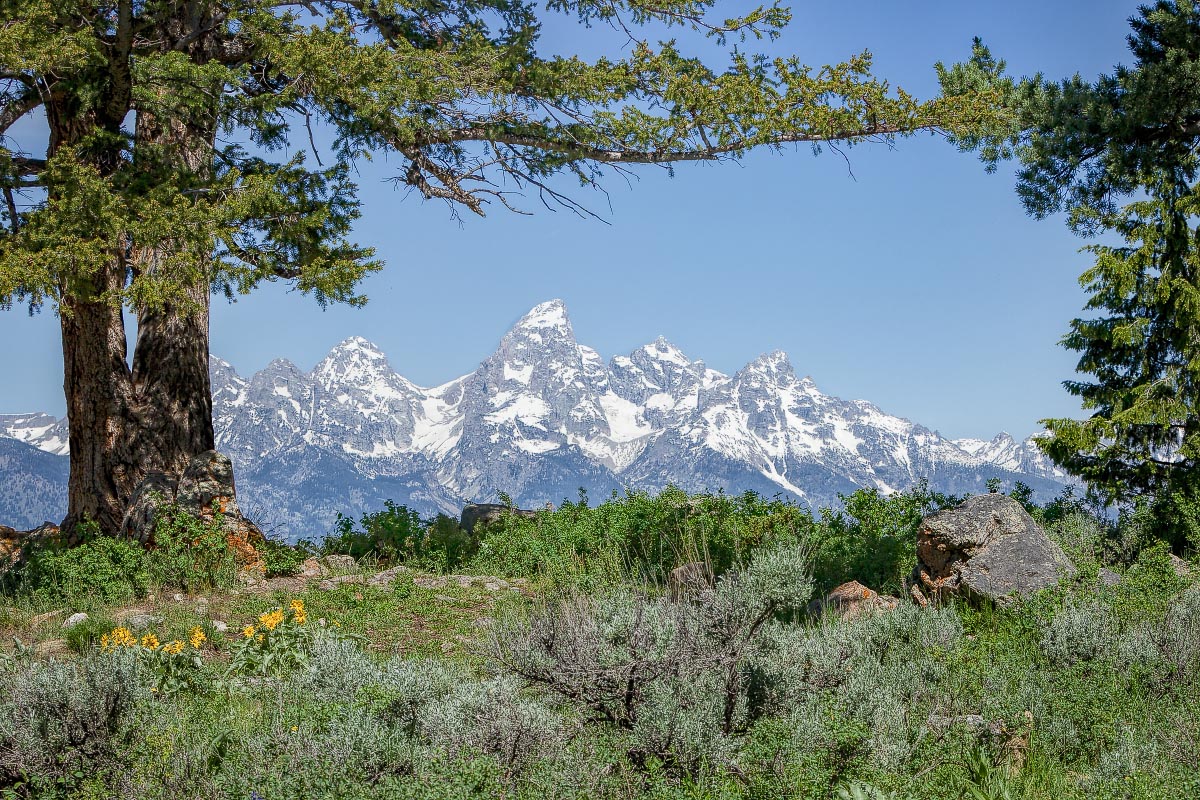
(540, 418)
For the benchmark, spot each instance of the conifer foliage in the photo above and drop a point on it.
(1120, 156)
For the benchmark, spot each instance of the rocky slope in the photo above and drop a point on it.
(543, 416)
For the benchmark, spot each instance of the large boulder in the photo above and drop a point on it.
(487, 513)
(204, 491)
(988, 549)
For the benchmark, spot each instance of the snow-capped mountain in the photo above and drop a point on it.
(543, 416)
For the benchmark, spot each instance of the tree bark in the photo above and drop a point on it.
(127, 423)
(98, 392)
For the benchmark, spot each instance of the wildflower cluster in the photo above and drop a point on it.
(173, 668)
(278, 642)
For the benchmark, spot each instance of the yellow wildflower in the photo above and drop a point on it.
(105, 642)
(121, 637)
(298, 612)
(248, 631)
(272, 619)
(150, 641)
(196, 638)
(260, 638)
(174, 648)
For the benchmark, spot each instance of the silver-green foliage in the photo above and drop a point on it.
(873, 669)
(1084, 632)
(60, 719)
(493, 717)
(675, 676)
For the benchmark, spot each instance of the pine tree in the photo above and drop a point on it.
(1131, 137)
(158, 184)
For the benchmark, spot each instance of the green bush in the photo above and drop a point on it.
(190, 553)
(85, 636)
(394, 534)
(873, 538)
(102, 570)
(281, 560)
(638, 535)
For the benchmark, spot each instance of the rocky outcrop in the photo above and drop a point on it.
(486, 513)
(986, 549)
(852, 600)
(14, 543)
(205, 491)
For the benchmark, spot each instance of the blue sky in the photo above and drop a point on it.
(918, 283)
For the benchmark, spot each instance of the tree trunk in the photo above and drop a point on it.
(96, 380)
(126, 424)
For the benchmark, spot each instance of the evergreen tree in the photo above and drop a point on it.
(1086, 147)
(157, 186)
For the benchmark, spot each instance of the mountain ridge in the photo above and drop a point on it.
(544, 415)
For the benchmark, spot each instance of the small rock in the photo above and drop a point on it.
(358, 595)
(487, 513)
(178, 598)
(74, 620)
(1181, 567)
(220, 626)
(339, 563)
(312, 568)
(385, 578)
(337, 580)
(689, 580)
(852, 600)
(1107, 577)
(140, 621)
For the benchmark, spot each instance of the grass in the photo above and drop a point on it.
(399, 694)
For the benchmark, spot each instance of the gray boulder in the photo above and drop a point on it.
(987, 549)
(487, 513)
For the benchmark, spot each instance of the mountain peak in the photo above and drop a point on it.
(550, 314)
(662, 350)
(774, 361)
(357, 344)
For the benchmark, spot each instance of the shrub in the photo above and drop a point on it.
(620, 657)
(101, 570)
(638, 535)
(873, 538)
(191, 553)
(1080, 633)
(61, 721)
(393, 534)
(491, 717)
(281, 559)
(86, 635)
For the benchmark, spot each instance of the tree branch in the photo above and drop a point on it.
(582, 152)
(18, 107)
